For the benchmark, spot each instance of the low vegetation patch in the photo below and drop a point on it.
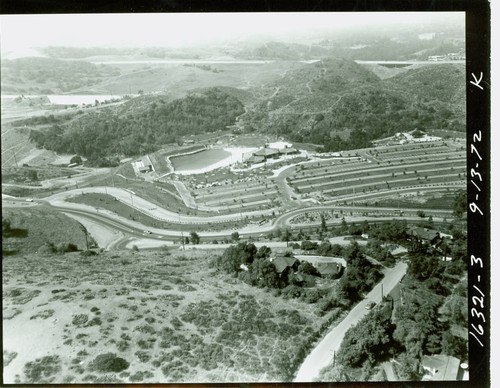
(108, 362)
(42, 370)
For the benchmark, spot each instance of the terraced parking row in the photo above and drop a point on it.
(332, 166)
(379, 193)
(427, 157)
(422, 153)
(230, 192)
(428, 167)
(247, 198)
(415, 146)
(240, 196)
(394, 183)
(229, 186)
(367, 170)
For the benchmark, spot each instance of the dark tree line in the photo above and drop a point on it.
(98, 137)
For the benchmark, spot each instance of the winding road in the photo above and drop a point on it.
(134, 229)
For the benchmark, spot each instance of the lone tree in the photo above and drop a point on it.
(195, 239)
(235, 236)
(6, 227)
(460, 203)
(76, 159)
(323, 223)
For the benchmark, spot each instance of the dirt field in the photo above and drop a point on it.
(164, 316)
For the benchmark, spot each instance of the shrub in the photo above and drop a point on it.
(96, 321)
(108, 362)
(122, 345)
(42, 370)
(143, 356)
(88, 253)
(66, 247)
(80, 319)
(47, 249)
(141, 376)
(125, 260)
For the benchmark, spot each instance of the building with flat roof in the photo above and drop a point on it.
(440, 367)
(267, 153)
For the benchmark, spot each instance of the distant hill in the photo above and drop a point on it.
(283, 51)
(444, 82)
(37, 75)
(340, 104)
(371, 45)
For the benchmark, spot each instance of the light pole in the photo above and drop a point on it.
(182, 234)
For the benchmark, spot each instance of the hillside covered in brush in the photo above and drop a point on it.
(50, 76)
(136, 129)
(339, 104)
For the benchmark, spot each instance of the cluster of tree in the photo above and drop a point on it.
(360, 275)
(430, 318)
(435, 299)
(381, 253)
(253, 266)
(204, 67)
(370, 340)
(393, 231)
(41, 120)
(100, 136)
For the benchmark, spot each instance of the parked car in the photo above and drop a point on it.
(370, 305)
(148, 232)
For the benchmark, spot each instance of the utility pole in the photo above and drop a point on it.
(182, 234)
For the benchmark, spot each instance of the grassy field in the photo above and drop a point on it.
(35, 226)
(145, 317)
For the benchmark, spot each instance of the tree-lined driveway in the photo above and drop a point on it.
(322, 355)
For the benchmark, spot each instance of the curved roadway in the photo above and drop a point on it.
(135, 229)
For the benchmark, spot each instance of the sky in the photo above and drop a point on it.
(161, 29)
